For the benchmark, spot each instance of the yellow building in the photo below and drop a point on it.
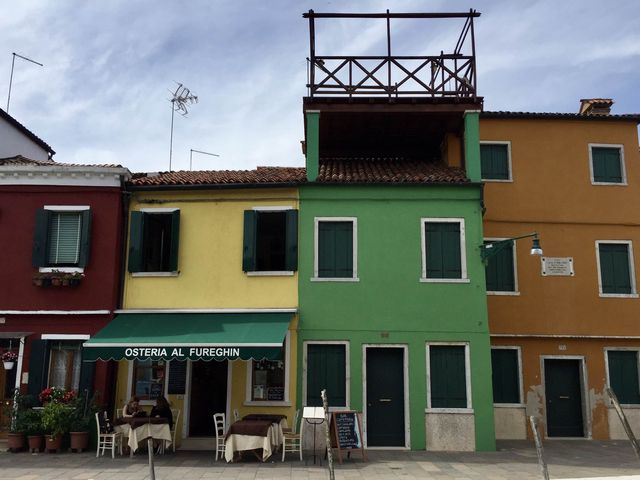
(211, 279)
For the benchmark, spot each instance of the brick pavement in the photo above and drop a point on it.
(513, 460)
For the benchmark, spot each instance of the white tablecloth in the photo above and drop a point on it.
(156, 431)
(238, 443)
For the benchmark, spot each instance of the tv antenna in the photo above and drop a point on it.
(198, 151)
(13, 62)
(182, 98)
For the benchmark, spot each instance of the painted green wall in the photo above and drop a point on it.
(389, 304)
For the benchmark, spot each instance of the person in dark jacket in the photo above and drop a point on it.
(162, 410)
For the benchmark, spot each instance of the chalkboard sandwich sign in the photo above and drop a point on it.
(346, 433)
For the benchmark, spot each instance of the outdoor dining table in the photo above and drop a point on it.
(140, 428)
(255, 432)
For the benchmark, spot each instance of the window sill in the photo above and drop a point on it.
(497, 180)
(618, 295)
(630, 406)
(155, 274)
(611, 184)
(509, 405)
(509, 294)
(61, 269)
(275, 273)
(461, 411)
(338, 279)
(444, 280)
(258, 403)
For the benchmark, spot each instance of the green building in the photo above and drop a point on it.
(392, 297)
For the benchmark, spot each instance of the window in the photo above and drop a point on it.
(500, 270)
(153, 241)
(448, 382)
(336, 249)
(61, 238)
(495, 161)
(443, 250)
(615, 266)
(326, 368)
(268, 381)
(65, 360)
(505, 370)
(607, 164)
(623, 375)
(270, 241)
(148, 379)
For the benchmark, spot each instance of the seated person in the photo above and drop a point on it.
(162, 410)
(132, 408)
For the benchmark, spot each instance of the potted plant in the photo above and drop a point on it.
(9, 359)
(32, 421)
(55, 423)
(80, 420)
(15, 437)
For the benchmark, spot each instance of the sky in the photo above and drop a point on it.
(110, 68)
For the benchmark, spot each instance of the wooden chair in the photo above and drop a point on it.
(175, 414)
(108, 441)
(296, 417)
(220, 422)
(292, 441)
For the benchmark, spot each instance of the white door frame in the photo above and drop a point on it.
(405, 367)
(584, 401)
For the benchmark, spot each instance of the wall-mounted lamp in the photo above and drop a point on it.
(490, 249)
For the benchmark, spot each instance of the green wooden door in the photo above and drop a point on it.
(385, 397)
(563, 398)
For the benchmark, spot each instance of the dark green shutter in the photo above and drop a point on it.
(448, 384)
(40, 236)
(505, 375)
(87, 375)
(607, 164)
(443, 250)
(85, 238)
(623, 375)
(291, 241)
(38, 367)
(326, 365)
(249, 241)
(494, 161)
(499, 271)
(335, 249)
(175, 241)
(136, 236)
(614, 268)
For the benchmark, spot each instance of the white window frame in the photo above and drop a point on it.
(271, 273)
(623, 170)
(316, 222)
(516, 290)
(499, 142)
(606, 366)
(68, 209)
(79, 351)
(463, 250)
(287, 369)
(520, 376)
(153, 211)
(347, 367)
(632, 273)
(467, 375)
(144, 402)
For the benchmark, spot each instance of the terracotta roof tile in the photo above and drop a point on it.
(558, 116)
(261, 175)
(20, 160)
(387, 170)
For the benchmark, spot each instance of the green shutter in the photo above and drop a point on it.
(448, 384)
(326, 365)
(38, 366)
(335, 249)
(614, 268)
(443, 254)
(85, 238)
(607, 164)
(505, 375)
(494, 161)
(175, 241)
(291, 241)
(249, 242)
(623, 375)
(136, 235)
(39, 252)
(500, 271)
(87, 375)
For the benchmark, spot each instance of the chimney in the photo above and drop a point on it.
(595, 106)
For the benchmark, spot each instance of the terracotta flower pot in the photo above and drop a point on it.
(35, 443)
(53, 443)
(56, 282)
(79, 441)
(15, 441)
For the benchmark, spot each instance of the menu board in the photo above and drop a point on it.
(346, 432)
(177, 377)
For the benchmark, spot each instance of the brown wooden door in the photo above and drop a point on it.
(208, 396)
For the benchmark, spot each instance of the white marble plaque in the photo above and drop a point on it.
(557, 266)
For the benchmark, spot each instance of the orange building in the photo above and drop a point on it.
(567, 324)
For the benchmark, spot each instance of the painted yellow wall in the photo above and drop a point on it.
(210, 254)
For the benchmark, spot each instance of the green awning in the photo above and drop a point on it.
(193, 336)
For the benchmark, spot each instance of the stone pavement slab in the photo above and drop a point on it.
(514, 460)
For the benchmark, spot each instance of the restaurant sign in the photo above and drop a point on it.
(177, 353)
(244, 352)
